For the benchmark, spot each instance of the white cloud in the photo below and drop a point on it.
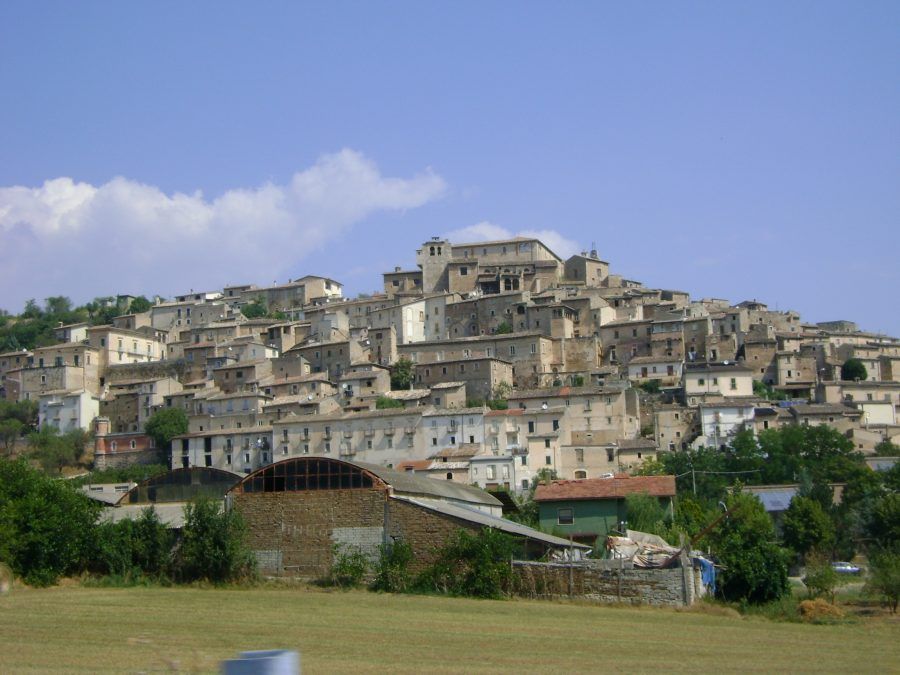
(82, 240)
(486, 231)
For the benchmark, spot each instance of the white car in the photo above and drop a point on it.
(845, 568)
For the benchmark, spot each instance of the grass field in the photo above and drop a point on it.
(77, 629)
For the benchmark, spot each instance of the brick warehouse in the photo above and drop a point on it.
(298, 510)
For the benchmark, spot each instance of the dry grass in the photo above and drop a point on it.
(76, 629)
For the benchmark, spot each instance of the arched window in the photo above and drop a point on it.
(301, 474)
(449, 475)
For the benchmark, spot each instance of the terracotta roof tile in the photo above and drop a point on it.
(605, 488)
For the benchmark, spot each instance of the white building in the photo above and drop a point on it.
(68, 410)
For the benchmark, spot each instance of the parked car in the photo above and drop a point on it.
(845, 568)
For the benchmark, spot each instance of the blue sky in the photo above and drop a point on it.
(735, 150)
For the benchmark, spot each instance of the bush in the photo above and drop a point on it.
(132, 550)
(349, 566)
(650, 386)
(470, 564)
(884, 578)
(386, 403)
(820, 580)
(392, 573)
(819, 611)
(46, 527)
(212, 546)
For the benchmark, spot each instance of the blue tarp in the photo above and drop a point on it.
(707, 573)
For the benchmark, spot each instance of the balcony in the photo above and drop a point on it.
(369, 433)
(389, 431)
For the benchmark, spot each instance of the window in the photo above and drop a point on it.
(580, 474)
(531, 427)
(733, 383)
(523, 460)
(512, 350)
(565, 516)
(490, 472)
(546, 442)
(327, 447)
(548, 460)
(434, 441)
(463, 271)
(555, 425)
(579, 455)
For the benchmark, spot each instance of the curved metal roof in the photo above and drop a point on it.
(341, 475)
(181, 485)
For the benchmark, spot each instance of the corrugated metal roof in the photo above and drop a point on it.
(487, 520)
(409, 484)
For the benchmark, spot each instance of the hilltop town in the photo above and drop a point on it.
(486, 364)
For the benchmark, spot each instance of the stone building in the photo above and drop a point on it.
(300, 511)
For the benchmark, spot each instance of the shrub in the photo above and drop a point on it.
(820, 579)
(134, 549)
(46, 527)
(650, 386)
(386, 403)
(819, 611)
(212, 546)
(392, 573)
(349, 566)
(470, 564)
(884, 578)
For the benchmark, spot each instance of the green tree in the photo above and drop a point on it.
(46, 526)
(884, 578)
(58, 304)
(504, 328)
(386, 403)
(255, 310)
(807, 526)
(882, 525)
(52, 451)
(32, 310)
(644, 513)
(754, 566)
(25, 412)
(140, 304)
(854, 369)
(165, 424)
(212, 544)
(10, 432)
(402, 373)
(527, 513)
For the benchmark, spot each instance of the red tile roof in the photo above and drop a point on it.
(605, 488)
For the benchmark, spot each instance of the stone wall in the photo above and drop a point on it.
(122, 459)
(149, 370)
(605, 582)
